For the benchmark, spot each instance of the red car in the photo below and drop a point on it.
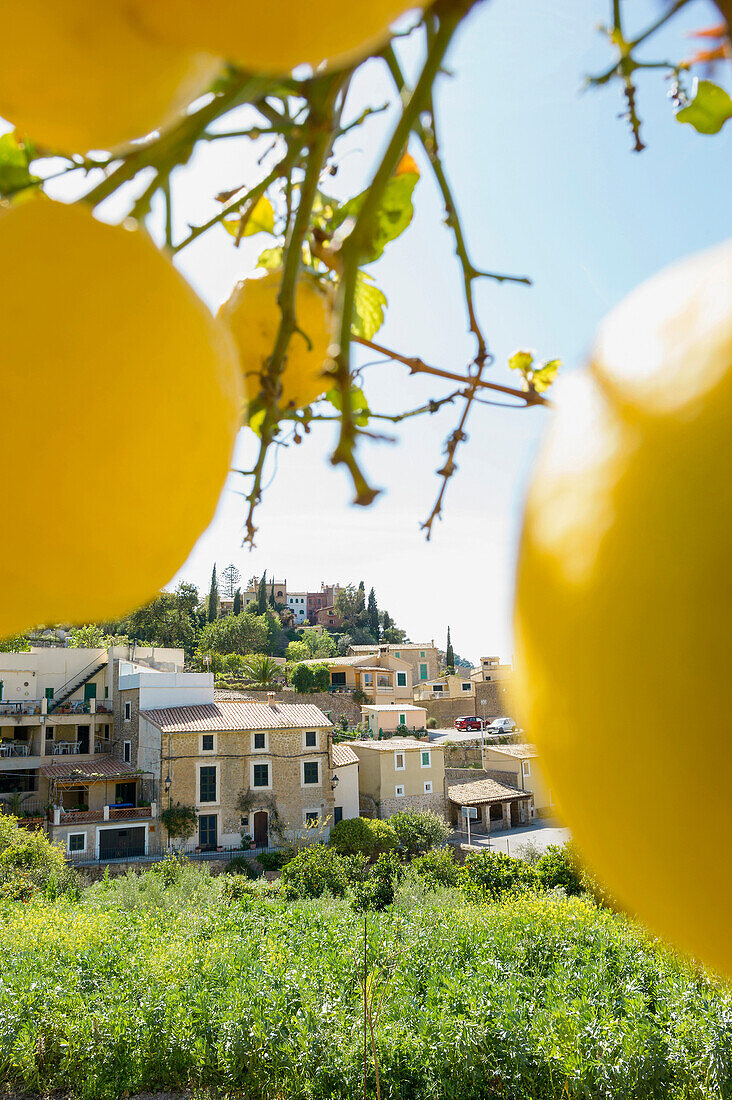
(471, 722)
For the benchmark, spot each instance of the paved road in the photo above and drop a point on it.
(541, 833)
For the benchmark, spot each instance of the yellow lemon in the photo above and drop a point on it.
(253, 315)
(277, 36)
(121, 400)
(82, 74)
(624, 601)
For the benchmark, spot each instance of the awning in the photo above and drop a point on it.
(93, 771)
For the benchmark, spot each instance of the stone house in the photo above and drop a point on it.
(399, 773)
(525, 759)
(381, 677)
(263, 769)
(421, 657)
(499, 804)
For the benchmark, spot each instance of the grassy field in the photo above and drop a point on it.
(141, 985)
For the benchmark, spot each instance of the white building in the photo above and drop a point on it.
(297, 603)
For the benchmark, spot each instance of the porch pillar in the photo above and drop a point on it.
(486, 816)
(506, 806)
(105, 812)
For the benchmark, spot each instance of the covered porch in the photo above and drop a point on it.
(499, 806)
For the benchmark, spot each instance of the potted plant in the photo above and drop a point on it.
(247, 841)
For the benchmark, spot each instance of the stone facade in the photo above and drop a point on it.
(434, 802)
(234, 756)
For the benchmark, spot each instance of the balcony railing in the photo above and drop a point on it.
(16, 708)
(13, 748)
(77, 817)
(107, 813)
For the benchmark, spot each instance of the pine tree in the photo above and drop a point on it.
(262, 595)
(373, 613)
(236, 610)
(230, 578)
(449, 654)
(212, 609)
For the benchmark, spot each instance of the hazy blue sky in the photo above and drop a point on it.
(546, 186)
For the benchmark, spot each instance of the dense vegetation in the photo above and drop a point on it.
(492, 981)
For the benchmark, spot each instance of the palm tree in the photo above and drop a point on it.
(262, 670)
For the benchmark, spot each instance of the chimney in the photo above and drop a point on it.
(270, 698)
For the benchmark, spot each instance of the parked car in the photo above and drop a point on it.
(469, 722)
(501, 725)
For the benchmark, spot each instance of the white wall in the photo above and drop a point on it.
(169, 689)
(346, 793)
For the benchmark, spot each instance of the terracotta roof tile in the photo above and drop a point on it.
(236, 715)
(483, 790)
(521, 752)
(343, 755)
(102, 767)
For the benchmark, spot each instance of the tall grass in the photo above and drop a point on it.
(151, 985)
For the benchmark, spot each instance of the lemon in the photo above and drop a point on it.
(121, 400)
(274, 37)
(623, 605)
(82, 75)
(253, 315)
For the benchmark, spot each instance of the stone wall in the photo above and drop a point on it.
(472, 775)
(499, 704)
(338, 703)
(462, 754)
(434, 802)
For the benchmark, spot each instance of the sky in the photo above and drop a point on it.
(546, 186)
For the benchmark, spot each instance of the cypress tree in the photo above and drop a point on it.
(361, 596)
(212, 610)
(271, 595)
(236, 610)
(450, 654)
(373, 613)
(262, 595)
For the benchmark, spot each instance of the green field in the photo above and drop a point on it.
(139, 985)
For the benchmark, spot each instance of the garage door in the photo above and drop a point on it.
(120, 843)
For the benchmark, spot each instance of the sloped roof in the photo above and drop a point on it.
(99, 769)
(343, 755)
(394, 744)
(236, 715)
(403, 707)
(335, 661)
(522, 752)
(483, 790)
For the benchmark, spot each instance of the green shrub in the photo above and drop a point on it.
(431, 723)
(301, 679)
(419, 830)
(243, 865)
(376, 890)
(313, 871)
(491, 874)
(170, 869)
(558, 867)
(30, 864)
(362, 835)
(275, 861)
(437, 867)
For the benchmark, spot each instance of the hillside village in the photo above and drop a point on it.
(99, 744)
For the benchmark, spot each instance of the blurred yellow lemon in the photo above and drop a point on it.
(624, 601)
(82, 75)
(121, 400)
(254, 316)
(274, 37)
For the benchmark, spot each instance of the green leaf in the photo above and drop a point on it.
(358, 402)
(271, 258)
(546, 375)
(521, 360)
(368, 309)
(392, 218)
(14, 174)
(261, 220)
(709, 109)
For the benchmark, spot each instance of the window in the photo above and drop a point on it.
(437, 687)
(401, 679)
(260, 775)
(338, 679)
(425, 758)
(207, 742)
(421, 653)
(128, 711)
(77, 842)
(311, 818)
(49, 695)
(399, 761)
(337, 814)
(127, 752)
(423, 672)
(244, 821)
(466, 687)
(311, 739)
(428, 787)
(368, 678)
(260, 741)
(310, 772)
(402, 719)
(399, 790)
(397, 654)
(526, 768)
(207, 784)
